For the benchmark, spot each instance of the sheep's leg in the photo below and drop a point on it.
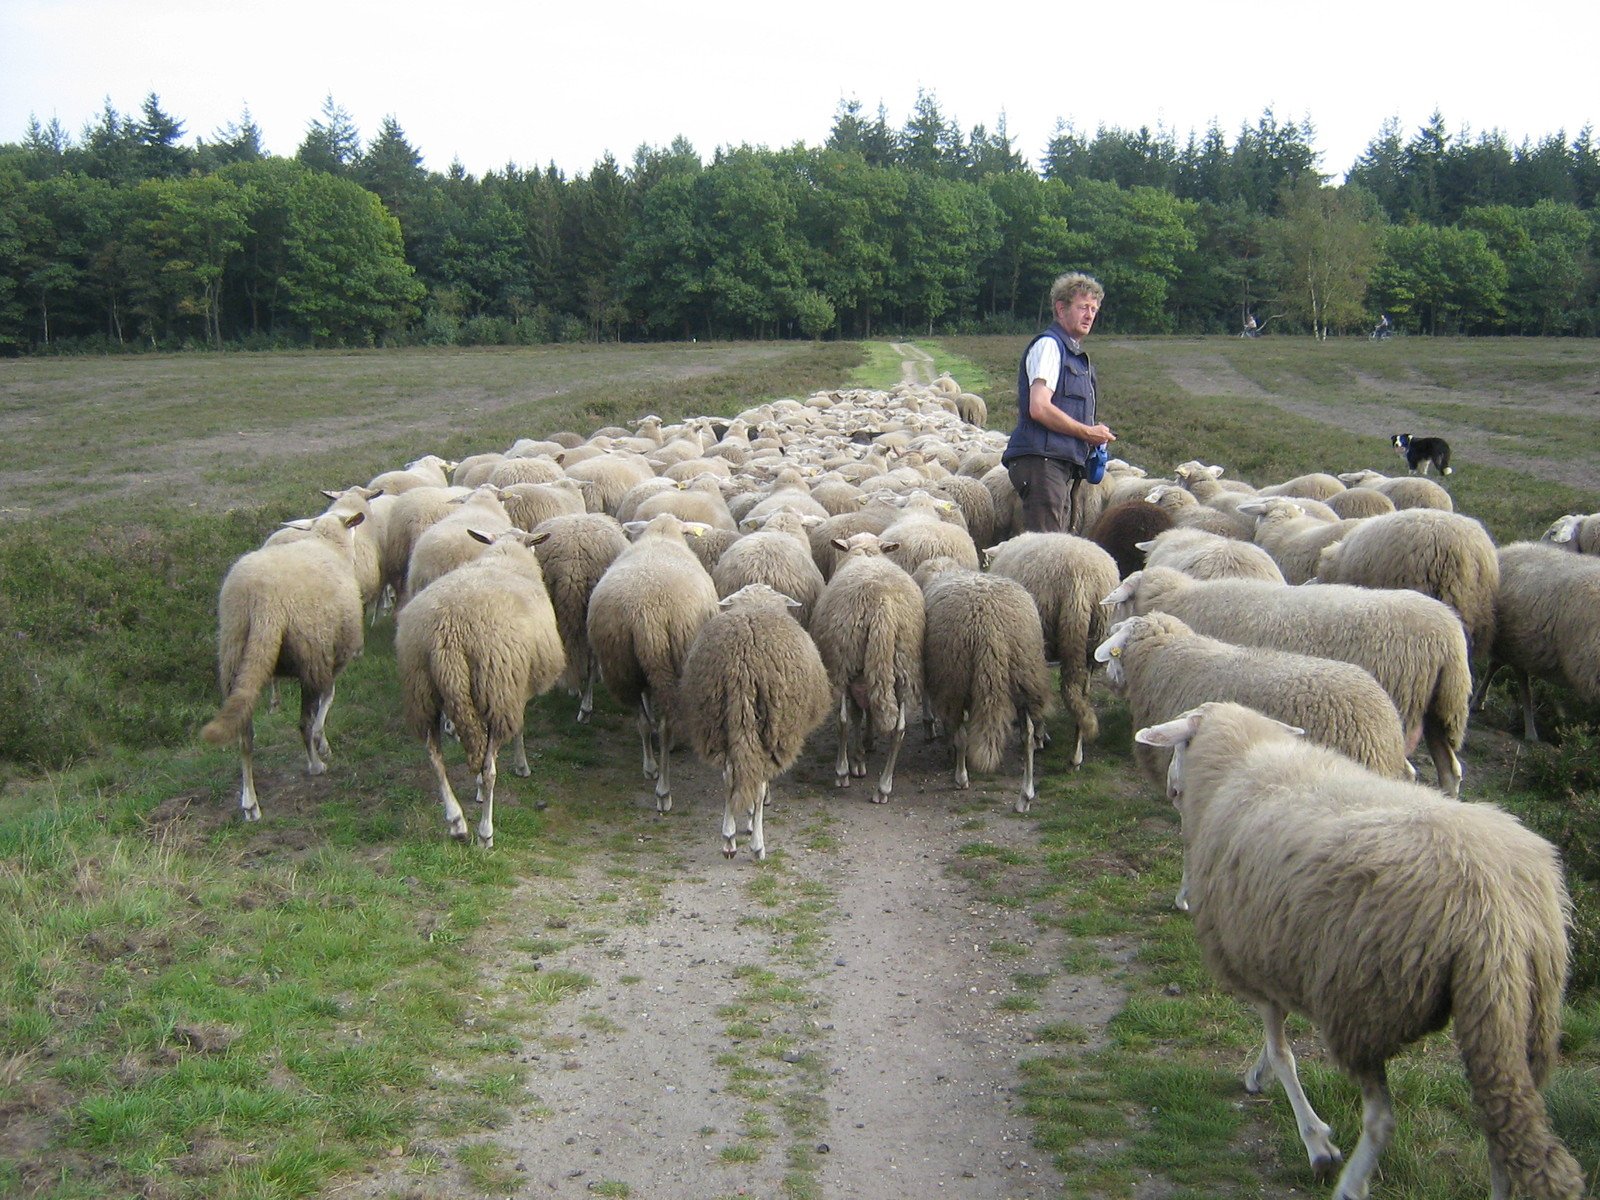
(930, 723)
(1377, 1127)
(454, 819)
(647, 728)
(1499, 1178)
(1277, 1055)
(1041, 736)
(247, 770)
(959, 742)
(758, 839)
(519, 756)
(313, 712)
(664, 778)
(730, 826)
(1181, 900)
(1479, 692)
(1025, 800)
(1445, 762)
(586, 697)
(841, 757)
(886, 779)
(486, 778)
(1530, 731)
(274, 701)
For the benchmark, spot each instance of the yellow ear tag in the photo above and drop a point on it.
(1116, 652)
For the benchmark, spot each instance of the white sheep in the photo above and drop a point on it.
(574, 551)
(1408, 491)
(474, 646)
(929, 527)
(1547, 623)
(529, 504)
(606, 477)
(1205, 555)
(644, 613)
(1444, 555)
(451, 541)
(778, 555)
(753, 689)
(512, 471)
(427, 471)
(1359, 502)
(983, 669)
(367, 537)
(868, 625)
(1413, 645)
(1318, 485)
(293, 610)
(1380, 910)
(1066, 575)
(1294, 540)
(1575, 532)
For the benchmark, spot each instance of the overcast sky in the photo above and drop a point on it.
(490, 83)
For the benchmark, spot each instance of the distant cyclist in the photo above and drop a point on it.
(1251, 329)
(1384, 327)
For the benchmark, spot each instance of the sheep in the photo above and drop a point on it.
(1413, 645)
(753, 689)
(1380, 910)
(1545, 623)
(293, 610)
(975, 502)
(972, 409)
(574, 551)
(511, 471)
(1357, 502)
(709, 545)
(1443, 555)
(1203, 555)
(698, 500)
(868, 625)
(873, 516)
(606, 478)
(474, 470)
(1408, 491)
(1165, 668)
(474, 646)
(921, 532)
(1318, 485)
(983, 669)
(643, 615)
(450, 541)
(367, 538)
(428, 471)
(1294, 540)
(1066, 575)
(779, 555)
(1119, 530)
(1575, 532)
(411, 512)
(529, 504)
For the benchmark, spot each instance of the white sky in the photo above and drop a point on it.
(492, 82)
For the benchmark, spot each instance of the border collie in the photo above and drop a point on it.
(1424, 450)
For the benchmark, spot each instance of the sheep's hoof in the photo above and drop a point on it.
(583, 716)
(859, 772)
(521, 772)
(1023, 803)
(1325, 1165)
(729, 850)
(664, 803)
(253, 813)
(486, 842)
(841, 781)
(880, 796)
(460, 835)
(316, 768)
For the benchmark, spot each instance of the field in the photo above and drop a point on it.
(932, 994)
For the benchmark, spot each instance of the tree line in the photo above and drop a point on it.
(126, 237)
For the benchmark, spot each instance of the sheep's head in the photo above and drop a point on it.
(1563, 532)
(1177, 735)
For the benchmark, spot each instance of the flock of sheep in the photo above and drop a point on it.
(858, 554)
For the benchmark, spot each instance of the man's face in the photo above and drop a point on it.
(1077, 313)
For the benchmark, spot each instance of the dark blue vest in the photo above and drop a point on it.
(1074, 396)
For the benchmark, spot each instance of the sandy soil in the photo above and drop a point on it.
(899, 1049)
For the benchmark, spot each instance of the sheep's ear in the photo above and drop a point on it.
(1177, 732)
(354, 519)
(634, 528)
(1123, 591)
(696, 528)
(1117, 639)
(888, 547)
(331, 494)
(301, 523)
(479, 535)
(1291, 730)
(1565, 529)
(840, 544)
(1145, 546)
(538, 539)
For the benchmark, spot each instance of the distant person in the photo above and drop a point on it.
(1056, 421)
(1384, 328)
(1251, 329)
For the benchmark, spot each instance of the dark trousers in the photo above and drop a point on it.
(1048, 488)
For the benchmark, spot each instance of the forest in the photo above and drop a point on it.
(130, 237)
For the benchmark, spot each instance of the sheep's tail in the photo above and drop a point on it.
(1445, 715)
(1507, 1022)
(991, 709)
(257, 661)
(881, 672)
(1084, 629)
(459, 691)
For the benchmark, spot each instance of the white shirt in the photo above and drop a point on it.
(1044, 360)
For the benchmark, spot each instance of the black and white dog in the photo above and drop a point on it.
(1424, 450)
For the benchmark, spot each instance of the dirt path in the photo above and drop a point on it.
(833, 1015)
(916, 365)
